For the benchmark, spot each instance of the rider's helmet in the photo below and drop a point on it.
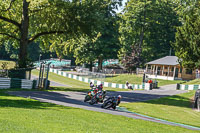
(119, 96)
(91, 84)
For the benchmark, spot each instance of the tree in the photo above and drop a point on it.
(147, 30)
(103, 45)
(188, 36)
(25, 21)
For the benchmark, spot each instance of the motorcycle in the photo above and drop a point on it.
(90, 94)
(109, 103)
(99, 97)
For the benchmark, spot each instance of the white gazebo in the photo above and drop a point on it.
(168, 68)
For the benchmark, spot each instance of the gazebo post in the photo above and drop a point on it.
(174, 71)
(147, 68)
(156, 70)
(163, 70)
(168, 72)
(151, 69)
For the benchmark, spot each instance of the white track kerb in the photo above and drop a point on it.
(145, 86)
(189, 87)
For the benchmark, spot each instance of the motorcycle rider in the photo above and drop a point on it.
(91, 85)
(128, 85)
(100, 87)
(118, 100)
(115, 100)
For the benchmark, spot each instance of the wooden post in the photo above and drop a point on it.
(168, 72)
(156, 70)
(163, 70)
(151, 69)
(146, 67)
(174, 71)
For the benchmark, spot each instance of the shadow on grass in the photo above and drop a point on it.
(111, 76)
(60, 98)
(175, 100)
(26, 102)
(67, 89)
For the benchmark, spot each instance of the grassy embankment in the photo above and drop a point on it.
(72, 84)
(26, 115)
(137, 79)
(176, 108)
(193, 82)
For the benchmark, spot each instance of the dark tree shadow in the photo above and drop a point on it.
(175, 100)
(28, 103)
(67, 89)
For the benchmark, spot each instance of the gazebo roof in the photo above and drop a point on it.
(167, 60)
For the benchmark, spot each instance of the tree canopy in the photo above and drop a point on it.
(25, 21)
(187, 43)
(147, 30)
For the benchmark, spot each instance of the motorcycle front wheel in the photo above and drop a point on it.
(87, 98)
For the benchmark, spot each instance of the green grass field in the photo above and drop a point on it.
(74, 85)
(137, 79)
(24, 115)
(10, 64)
(193, 82)
(176, 108)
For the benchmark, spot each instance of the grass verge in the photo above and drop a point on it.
(26, 115)
(193, 82)
(176, 108)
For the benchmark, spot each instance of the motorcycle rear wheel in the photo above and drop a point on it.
(108, 105)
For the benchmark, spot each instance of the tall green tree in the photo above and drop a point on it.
(187, 45)
(147, 30)
(25, 21)
(103, 45)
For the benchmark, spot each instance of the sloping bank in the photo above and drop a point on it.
(145, 86)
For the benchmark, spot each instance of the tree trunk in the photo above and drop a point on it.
(24, 36)
(90, 66)
(100, 63)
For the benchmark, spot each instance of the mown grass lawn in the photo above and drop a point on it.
(137, 79)
(193, 82)
(73, 85)
(24, 115)
(10, 64)
(176, 108)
